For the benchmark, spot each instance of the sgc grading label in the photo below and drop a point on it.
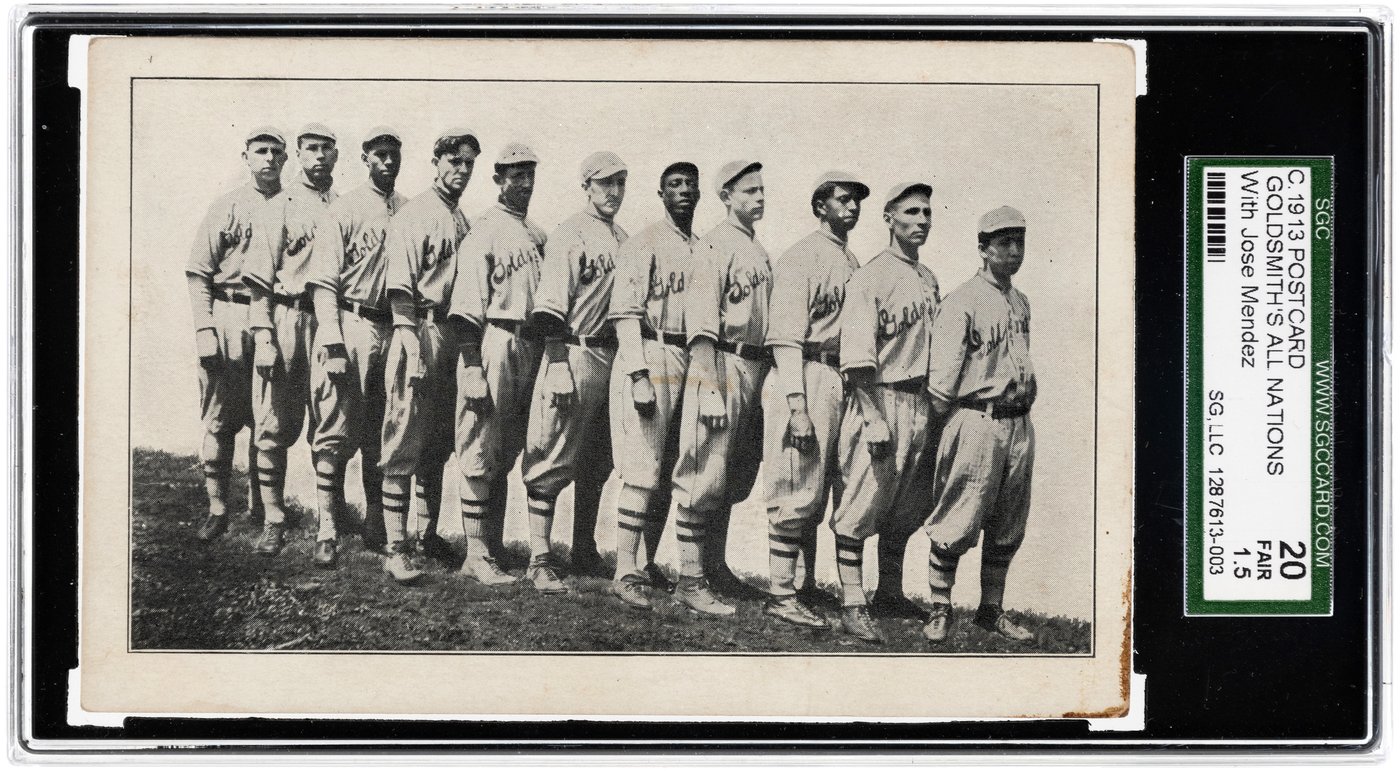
(1259, 386)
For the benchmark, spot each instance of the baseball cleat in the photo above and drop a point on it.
(632, 590)
(545, 578)
(856, 621)
(437, 548)
(892, 606)
(694, 592)
(212, 528)
(270, 543)
(658, 578)
(323, 556)
(793, 611)
(486, 570)
(940, 623)
(398, 565)
(993, 619)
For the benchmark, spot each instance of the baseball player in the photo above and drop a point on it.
(353, 327)
(982, 380)
(501, 263)
(721, 439)
(570, 405)
(284, 325)
(803, 400)
(220, 303)
(890, 305)
(421, 251)
(647, 310)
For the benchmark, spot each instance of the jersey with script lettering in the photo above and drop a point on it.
(728, 286)
(650, 277)
(577, 278)
(284, 265)
(500, 267)
(887, 318)
(422, 246)
(347, 255)
(226, 235)
(809, 288)
(981, 345)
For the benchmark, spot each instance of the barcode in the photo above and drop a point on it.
(1215, 216)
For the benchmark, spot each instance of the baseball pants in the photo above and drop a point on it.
(983, 475)
(652, 442)
(418, 419)
(351, 412)
(280, 402)
(225, 406)
(225, 391)
(350, 416)
(569, 446)
(488, 444)
(556, 437)
(718, 468)
(880, 494)
(797, 484)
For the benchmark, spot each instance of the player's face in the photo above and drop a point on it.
(605, 194)
(909, 220)
(1004, 253)
(454, 168)
(265, 159)
(680, 192)
(383, 160)
(318, 156)
(517, 185)
(746, 197)
(841, 209)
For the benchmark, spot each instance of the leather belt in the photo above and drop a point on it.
(913, 385)
(511, 326)
(743, 350)
(815, 353)
(221, 294)
(365, 312)
(996, 409)
(669, 338)
(300, 302)
(603, 341)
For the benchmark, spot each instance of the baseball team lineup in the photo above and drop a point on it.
(858, 396)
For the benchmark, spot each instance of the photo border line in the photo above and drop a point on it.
(131, 256)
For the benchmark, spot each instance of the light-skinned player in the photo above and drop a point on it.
(890, 305)
(223, 342)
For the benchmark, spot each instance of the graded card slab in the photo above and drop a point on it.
(244, 627)
(1260, 395)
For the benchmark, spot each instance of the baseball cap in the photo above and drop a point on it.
(380, 132)
(905, 188)
(601, 164)
(516, 153)
(264, 132)
(1000, 219)
(458, 131)
(680, 166)
(843, 178)
(733, 171)
(316, 130)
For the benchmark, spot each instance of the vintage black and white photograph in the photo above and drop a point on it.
(672, 356)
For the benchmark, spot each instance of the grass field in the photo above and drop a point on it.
(221, 596)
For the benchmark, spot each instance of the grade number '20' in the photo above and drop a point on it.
(1292, 567)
